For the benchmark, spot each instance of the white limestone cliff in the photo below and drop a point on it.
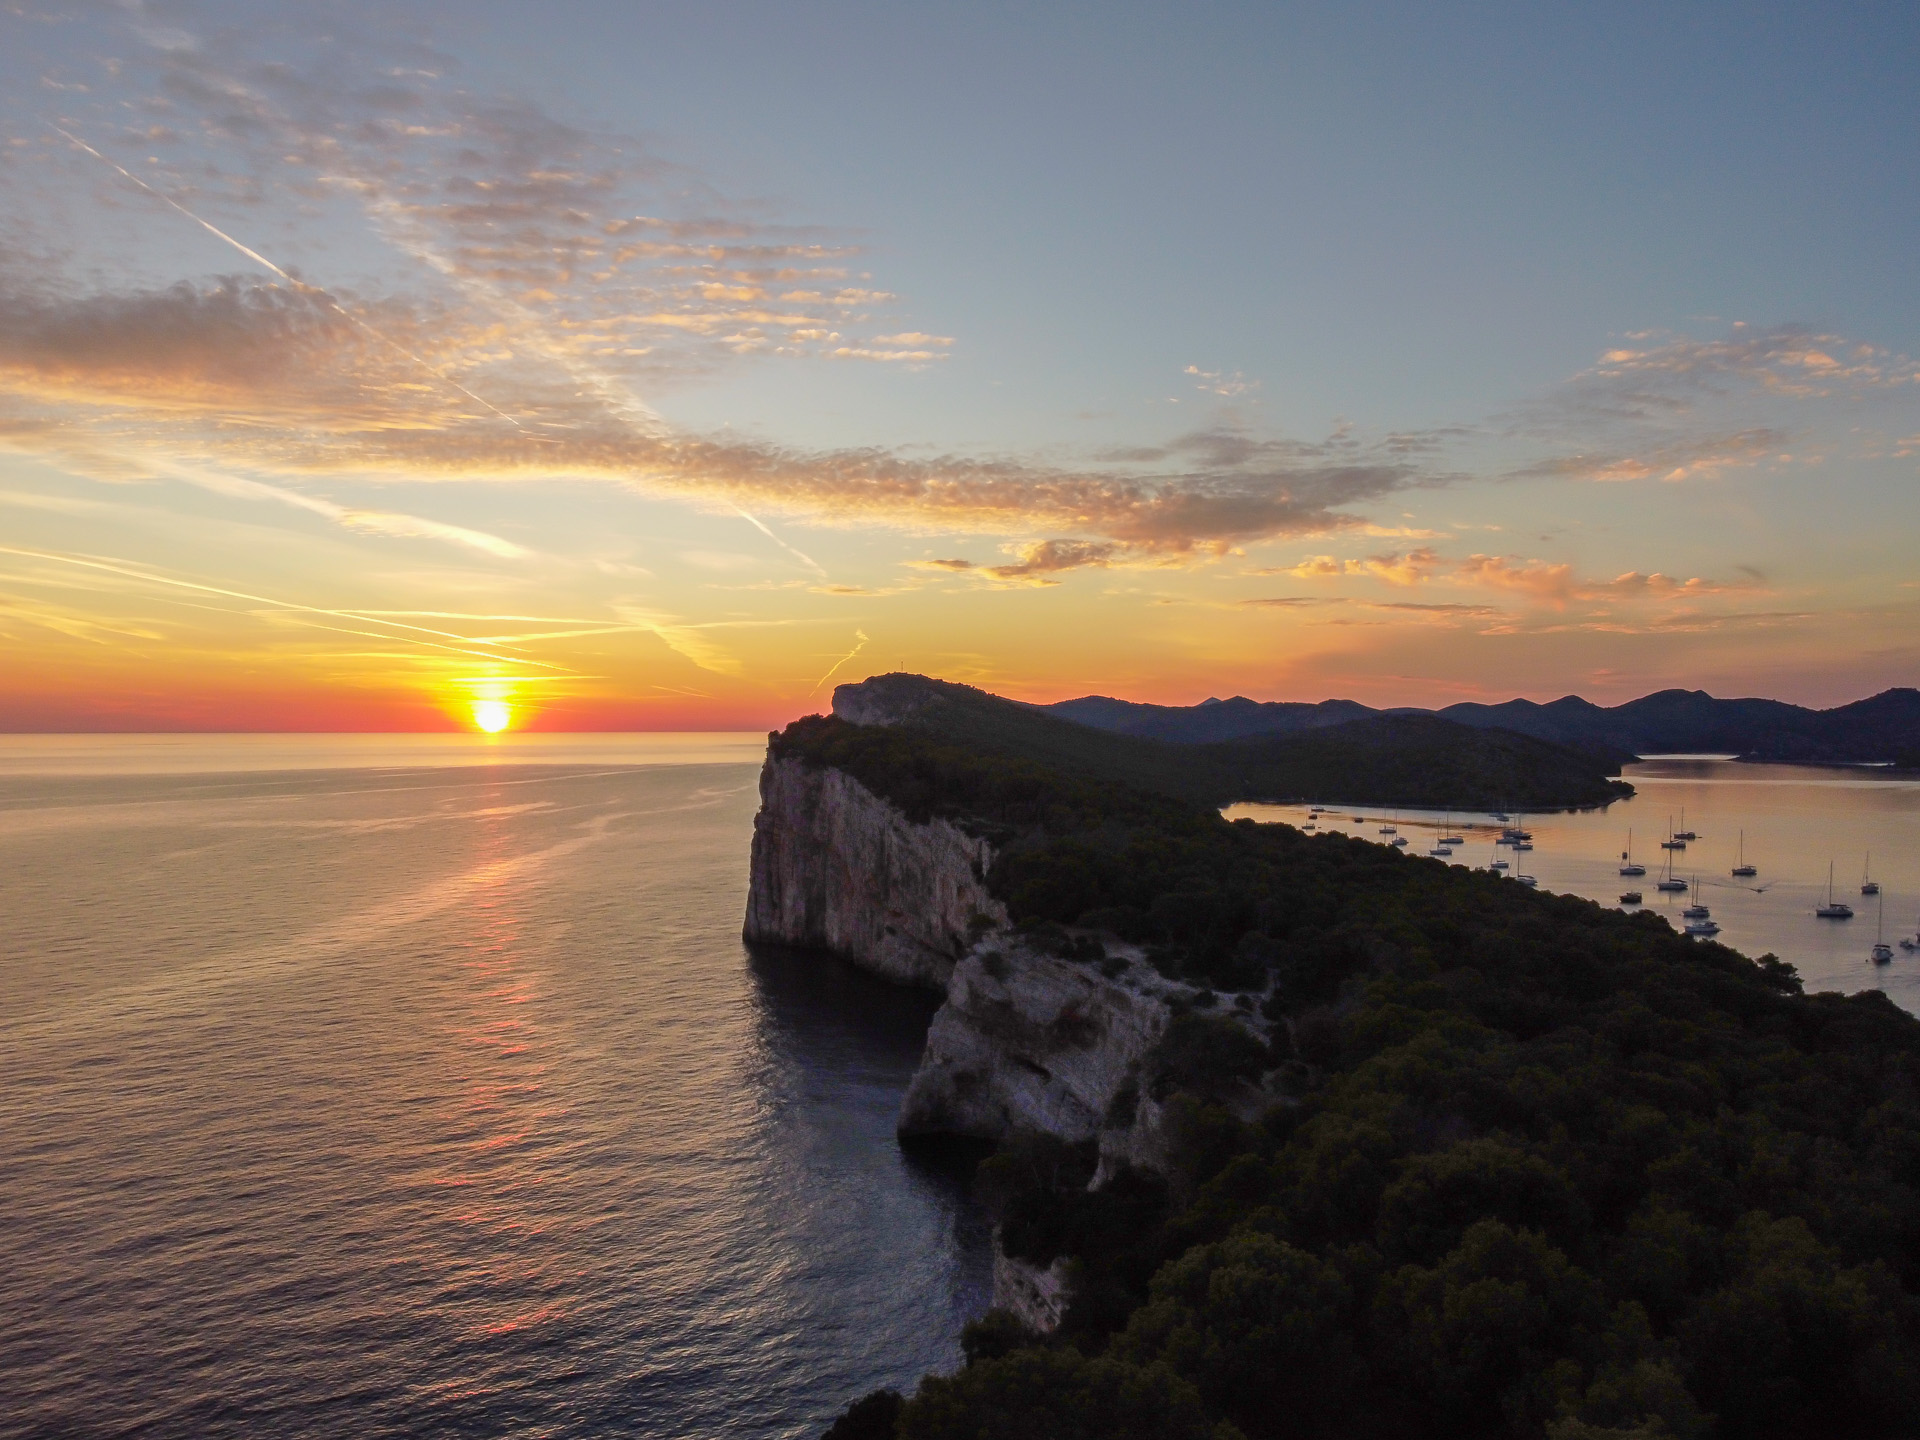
(1026, 1041)
(835, 867)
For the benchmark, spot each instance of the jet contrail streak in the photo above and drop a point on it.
(797, 554)
(860, 637)
(297, 284)
(292, 606)
(406, 233)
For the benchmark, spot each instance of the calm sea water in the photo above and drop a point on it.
(1796, 819)
(354, 1090)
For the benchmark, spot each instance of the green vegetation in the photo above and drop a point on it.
(1381, 760)
(1528, 1167)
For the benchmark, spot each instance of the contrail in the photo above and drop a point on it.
(627, 407)
(295, 607)
(810, 562)
(406, 233)
(861, 637)
(297, 284)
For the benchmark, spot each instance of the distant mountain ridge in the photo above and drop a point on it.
(1881, 729)
(1412, 759)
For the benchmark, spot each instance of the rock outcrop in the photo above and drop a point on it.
(837, 868)
(1030, 1042)
(1038, 1298)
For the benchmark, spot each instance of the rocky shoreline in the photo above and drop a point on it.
(1026, 1041)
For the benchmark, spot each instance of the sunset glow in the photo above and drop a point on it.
(492, 716)
(680, 440)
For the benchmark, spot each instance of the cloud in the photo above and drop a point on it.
(591, 250)
(1287, 602)
(1788, 359)
(541, 278)
(1217, 382)
(1536, 579)
(1540, 581)
(1043, 559)
(260, 377)
(1410, 568)
(1701, 458)
(690, 642)
(1437, 609)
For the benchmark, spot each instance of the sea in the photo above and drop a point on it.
(383, 1086)
(1796, 825)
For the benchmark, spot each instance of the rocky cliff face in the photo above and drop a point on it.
(1025, 1041)
(837, 868)
(1031, 1042)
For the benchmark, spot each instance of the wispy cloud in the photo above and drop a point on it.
(1699, 457)
(539, 279)
(1540, 581)
(1219, 382)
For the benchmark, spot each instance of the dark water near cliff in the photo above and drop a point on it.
(434, 1100)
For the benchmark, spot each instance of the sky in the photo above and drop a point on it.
(660, 366)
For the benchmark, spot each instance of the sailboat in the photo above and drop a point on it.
(1833, 909)
(1496, 863)
(1627, 867)
(1667, 880)
(1451, 839)
(1881, 952)
(1695, 911)
(1914, 943)
(1684, 834)
(1673, 841)
(1742, 870)
(1868, 885)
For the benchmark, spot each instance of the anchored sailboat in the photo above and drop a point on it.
(1627, 866)
(1881, 952)
(1833, 909)
(1742, 870)
(1667, 880)
(1868, 885)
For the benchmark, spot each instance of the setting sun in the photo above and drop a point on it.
(492, 716)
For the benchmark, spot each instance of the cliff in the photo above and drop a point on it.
(837, 868)
(1026, 1041)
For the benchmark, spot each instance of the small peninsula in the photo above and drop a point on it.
(1299, 1136)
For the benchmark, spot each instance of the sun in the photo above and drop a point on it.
(492, 716)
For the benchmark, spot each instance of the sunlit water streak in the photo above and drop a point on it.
(1796, 819)
(443, 1100)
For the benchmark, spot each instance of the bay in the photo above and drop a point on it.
(1795, 821)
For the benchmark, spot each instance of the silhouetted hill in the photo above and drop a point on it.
(1209, 720)
(1877, 730)
(1375, 760)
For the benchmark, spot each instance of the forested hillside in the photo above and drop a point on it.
(1525, 1166)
